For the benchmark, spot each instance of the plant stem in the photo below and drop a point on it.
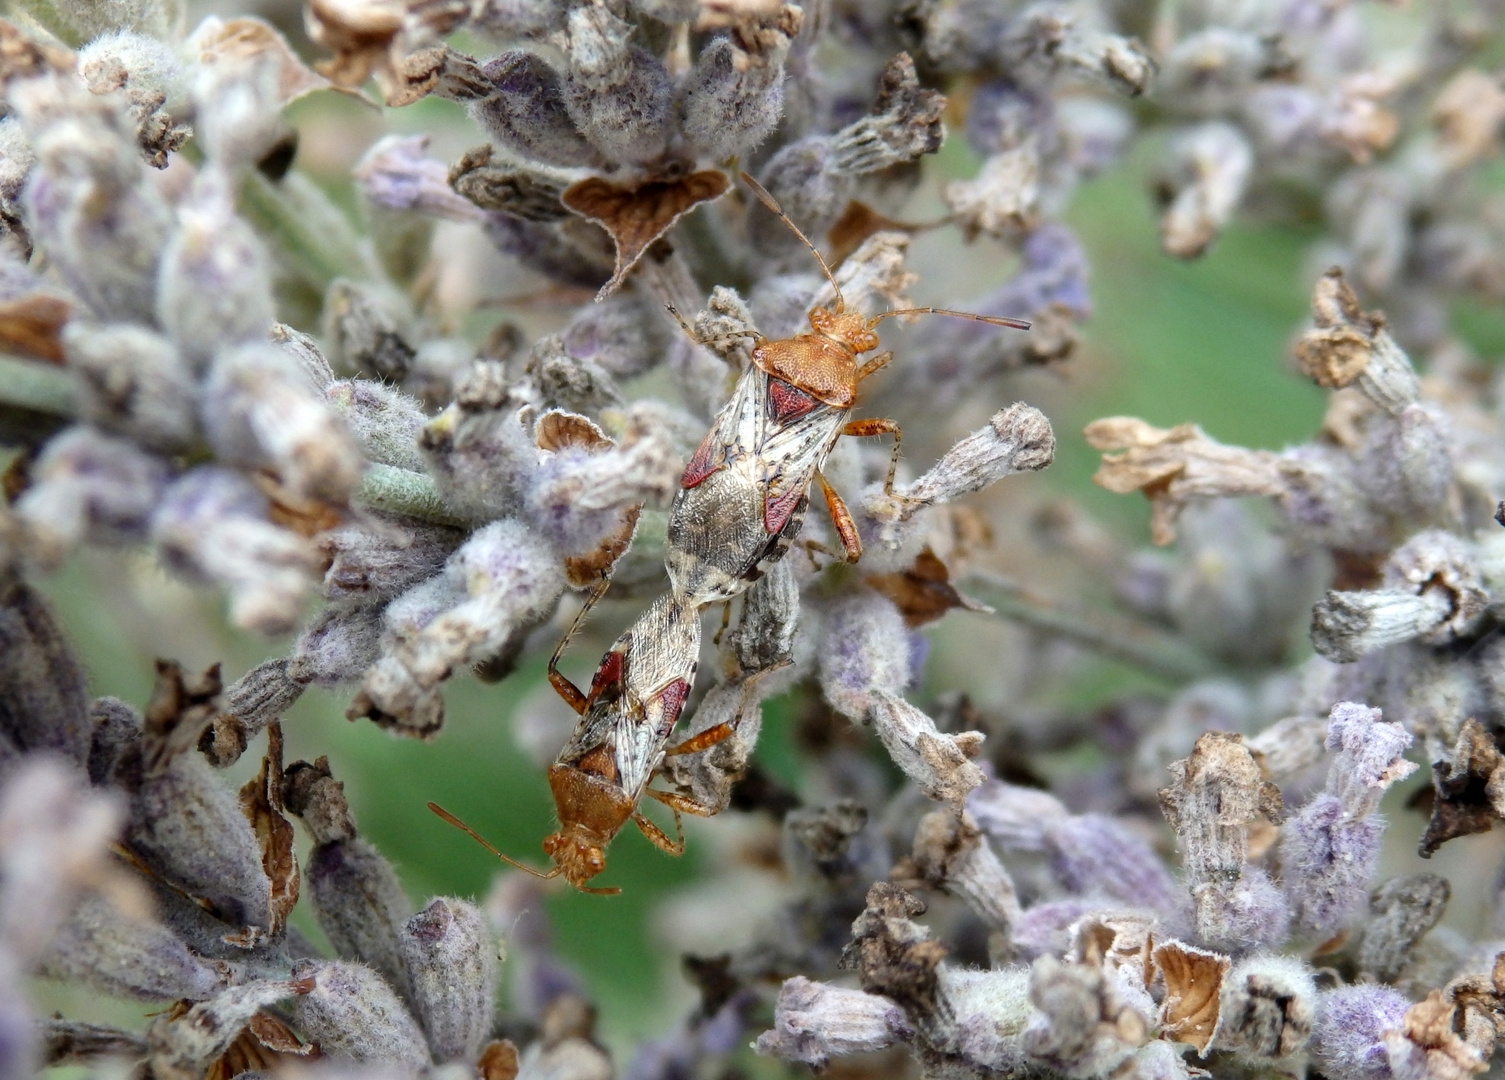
(402, 491)
(43, 388)
(1126, 640)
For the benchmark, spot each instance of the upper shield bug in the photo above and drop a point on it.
(626, 717)
(743, 495)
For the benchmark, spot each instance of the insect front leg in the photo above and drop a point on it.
(876, 364)
(656, 836)
(841, 517)
(557, 679)
(865, 428)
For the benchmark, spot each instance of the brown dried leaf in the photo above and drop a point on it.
(498, 1060)
(924, 592)
(178, 712)
(23, 58)
(1469, 790)
(1193, 985)
(301, 514)
(32, 325)
(250, 38)
(1173, 466)
(635, 217)
(261, 800)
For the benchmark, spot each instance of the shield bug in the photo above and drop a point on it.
(743, 495)
(634, 700)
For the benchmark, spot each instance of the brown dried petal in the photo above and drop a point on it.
(180, 709)
(1468, 114)
(263, 1045)
(498, 1060)
(557, 429)
(858, 222)
(1193, 985)
(635, 217)
(22, 58)
(32, 325)
(924, 592)
(1431, 1033)
(896, 957)
(1469, 790)
(1173, 466)
(313, 794)
(188, 1043)
(250, 38)
(261, 799)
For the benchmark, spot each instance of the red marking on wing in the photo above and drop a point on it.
(789, 402)
(608, 675)
(778, 510)
(673, 696)
(700, 465)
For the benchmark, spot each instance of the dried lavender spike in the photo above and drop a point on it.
(349, 1011)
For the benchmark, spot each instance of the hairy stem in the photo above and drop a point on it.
(1126, 640)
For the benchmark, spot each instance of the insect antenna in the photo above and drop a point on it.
(994, 320)
(478, 838)
(768, 201)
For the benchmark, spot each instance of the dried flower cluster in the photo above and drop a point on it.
(206, 361)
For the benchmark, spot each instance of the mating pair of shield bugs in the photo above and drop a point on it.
(740, 504)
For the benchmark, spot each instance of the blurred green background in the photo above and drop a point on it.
(1205, 341)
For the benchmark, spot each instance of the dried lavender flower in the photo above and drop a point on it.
(451, 964)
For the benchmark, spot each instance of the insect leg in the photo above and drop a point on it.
(557, 679)
(696, 338)
(726, 619)
(877, 363)
(863, 428)
(703, 741)
(656, 835)
(841, 517)
(677, 802)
